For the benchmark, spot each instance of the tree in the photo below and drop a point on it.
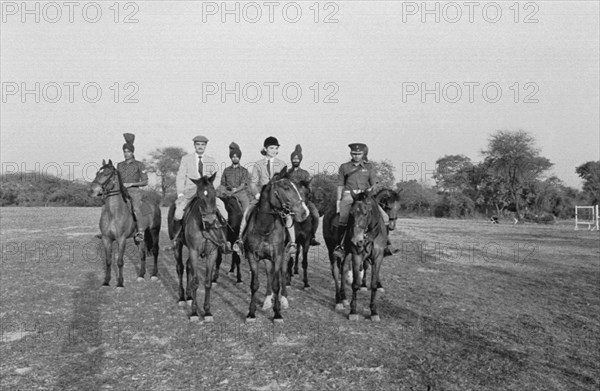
(324, 191)
(453, 173)
(385, 172)
(513, 158)
(590, 173)
(414, 197)
(164, 162)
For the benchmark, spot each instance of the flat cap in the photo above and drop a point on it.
(200, 139)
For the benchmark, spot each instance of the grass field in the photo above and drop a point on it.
(467, 306)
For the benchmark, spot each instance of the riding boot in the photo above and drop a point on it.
(339, 250)
(292, 237)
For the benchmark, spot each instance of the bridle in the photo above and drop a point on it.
(370, 232)
(286, 209)
(103, 185)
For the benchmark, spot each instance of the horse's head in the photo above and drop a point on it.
(284, 195)
(361, 214)
(304, 189)
(106, 179)
(207, 197)
(390, 203)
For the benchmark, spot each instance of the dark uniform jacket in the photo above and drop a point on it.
(133, 171)
(297, 175)
(357, 177)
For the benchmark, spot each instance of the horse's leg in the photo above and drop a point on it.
(296, 261)
(356, 263)
(236, 258)
(193, 264)
(188, 273)
(277, 270)
(179, 266)
(208, 280)
(254, 285)
(336, 278)
(107, 259)
(269, 293)
(215, 274)
(345, 270)
(375, 286)
(283, 272)
(154, 233)
(363, 285)
(305, 263)
(290, 267)
(141, 246)
(121, 243)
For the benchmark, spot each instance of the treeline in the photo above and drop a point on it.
(35, 189)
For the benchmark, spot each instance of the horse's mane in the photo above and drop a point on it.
(388, 195)
(122, 188)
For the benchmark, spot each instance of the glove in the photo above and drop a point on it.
(179, 195)
(257, 196)
(337, 206)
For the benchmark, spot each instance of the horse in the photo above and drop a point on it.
(117, 222)
(235, 212)
(200, 234)
(303, 236)
(368, 239)
(340, 267)
(389, 200)
(265, 239)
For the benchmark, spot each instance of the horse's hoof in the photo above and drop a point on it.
(153, 278)
(375, 318)
(209, 319)
(182, 303)
(250, 320)
(239, 282)
(188, 302)
(120, 288)
(214, 283)
(284, 302)
(339, 307)
(194, 318)
(268, 302)
(363, 288)
(140, 279)
(346, 303)
(277, 320)
(306, 286)
(353, 317)
(380, 290)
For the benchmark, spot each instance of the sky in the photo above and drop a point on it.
(366, 71)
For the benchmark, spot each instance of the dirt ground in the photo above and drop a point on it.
(467, 306)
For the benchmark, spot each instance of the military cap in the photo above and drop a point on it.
(200, 139)
(357, 147)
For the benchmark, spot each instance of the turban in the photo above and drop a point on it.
(297, 152)
(129, 137)
(234, 149)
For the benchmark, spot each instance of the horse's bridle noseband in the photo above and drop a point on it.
(285, 206)
(103, 185)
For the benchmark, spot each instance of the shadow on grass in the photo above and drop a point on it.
(82, 352)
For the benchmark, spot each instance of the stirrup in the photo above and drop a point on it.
(292, 248)
(139, 236)
(238, 246)
(339, 251)
(314, 242)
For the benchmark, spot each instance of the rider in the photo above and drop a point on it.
(235, 179)
(262, 172)
(297, 174)
(133, 176)
(194, 166)
(355, 176)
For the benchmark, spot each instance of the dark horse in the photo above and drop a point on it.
(200, 233)
(234, 210)
(389, 200)
(303, 236)
(365, 241)
(265, 239)
(117, 222)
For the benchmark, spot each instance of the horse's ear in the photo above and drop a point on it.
(110, 162)
(212, 177)
(196, 181)
(103, 162)
(283, 173)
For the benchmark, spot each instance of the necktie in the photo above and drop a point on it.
(200, 166)
(269, 168)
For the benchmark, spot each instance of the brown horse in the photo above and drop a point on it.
(368, 240)
(201, 235)
(117, 222)
(234, 221)
(342, 270)
(389, 201)
(265, 238)
(303, 235)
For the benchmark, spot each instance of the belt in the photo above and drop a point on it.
(354, 191)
